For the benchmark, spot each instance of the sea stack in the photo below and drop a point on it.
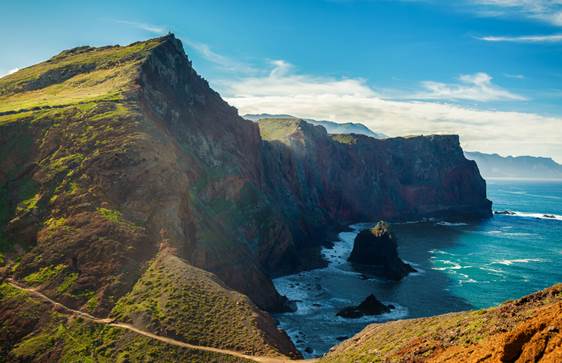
(376, 250)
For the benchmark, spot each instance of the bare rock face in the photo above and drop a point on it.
(376, 249)
(370, 306)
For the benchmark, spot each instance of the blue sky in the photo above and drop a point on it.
(490, 70)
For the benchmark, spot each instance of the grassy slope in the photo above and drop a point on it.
(178, 300)
(31, 331)
(487, 335)
(278, 128)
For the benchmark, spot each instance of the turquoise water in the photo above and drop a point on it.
(460, 266)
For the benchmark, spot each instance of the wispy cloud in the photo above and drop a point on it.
(472, 87)
(9, 72)
(151, 28)
(286, 92)
(222, 61)
(549, 11)
(514, 76)
(554, 38)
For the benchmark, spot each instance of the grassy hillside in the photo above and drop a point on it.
(175, 299)
(31, 331)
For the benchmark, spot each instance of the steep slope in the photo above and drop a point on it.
(322, 181)
(109, 154)
(524, 330)
(354, 177)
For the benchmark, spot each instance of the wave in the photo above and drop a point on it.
(548, 216)
(452, 265)
(517, 260)
(440, 252)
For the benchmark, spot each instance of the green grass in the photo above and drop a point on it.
(68, 282)
(90, 76)
(182, 300)
(344, 138)
(111, 215)
(278, 129)
(45, 274)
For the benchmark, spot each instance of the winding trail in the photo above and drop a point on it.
(111, 322)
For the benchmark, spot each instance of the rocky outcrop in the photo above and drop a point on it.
(376, 248)
(370, 306)
(523, 330)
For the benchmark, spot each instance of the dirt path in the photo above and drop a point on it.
(108, 321)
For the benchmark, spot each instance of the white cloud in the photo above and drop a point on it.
(473, 87)
(353, 100)
(223, 62)
(151, 28)
(9, 72)
(549, 11)
(554, 38)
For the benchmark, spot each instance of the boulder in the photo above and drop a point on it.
(370, 306)
(375, 251)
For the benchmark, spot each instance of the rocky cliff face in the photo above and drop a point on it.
(321, 180)
(111, 155)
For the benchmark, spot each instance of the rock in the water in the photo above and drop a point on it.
(370, 306)
(376, 249)
(504, 212)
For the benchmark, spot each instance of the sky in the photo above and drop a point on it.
(488, 70)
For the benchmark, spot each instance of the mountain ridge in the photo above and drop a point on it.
(116, 154)
(532, 167)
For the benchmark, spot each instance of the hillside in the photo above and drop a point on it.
(330, 126)
(524, 330)
(531, 167)
(129, 189)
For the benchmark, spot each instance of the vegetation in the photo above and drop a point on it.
(187, 302)
(278, 128)
(111, 215)
(45, 274)
(78, 340)
(344, 138)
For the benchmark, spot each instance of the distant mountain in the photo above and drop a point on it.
(494, 165)
(330, 126)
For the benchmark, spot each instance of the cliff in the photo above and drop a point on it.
(524, 330)
(113, 157)
(320, 180)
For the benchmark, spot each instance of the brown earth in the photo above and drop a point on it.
(524, 330)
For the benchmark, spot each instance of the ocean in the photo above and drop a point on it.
(460, 266)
